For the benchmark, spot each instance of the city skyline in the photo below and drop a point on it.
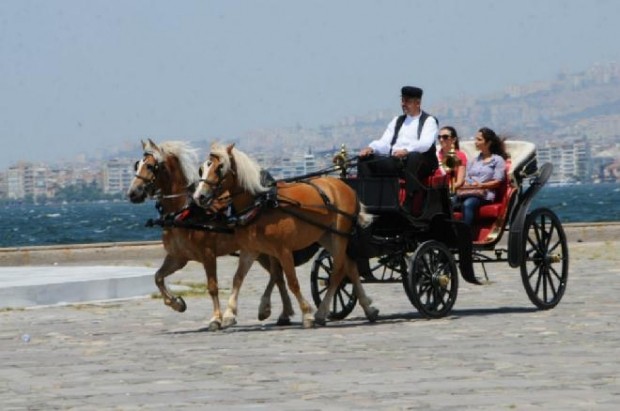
(82, 77)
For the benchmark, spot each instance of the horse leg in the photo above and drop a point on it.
(210, 266)
(335, 279)
(371, 312)
(287, 306)
(169, 266)
(276, 277)
(246, 259)
(288, 265)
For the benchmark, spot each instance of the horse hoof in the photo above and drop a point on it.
(320, 321)
(215, 326)
(308, 323)
(372, 314)
(264, 312)
(229, 322)
(283, 321)
(177, 304)
(262, 316)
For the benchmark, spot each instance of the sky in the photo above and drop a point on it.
(86, 76)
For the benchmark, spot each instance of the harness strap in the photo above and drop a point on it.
(308, 220)
(328, 204)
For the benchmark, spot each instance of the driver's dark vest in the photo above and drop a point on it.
(430, 154)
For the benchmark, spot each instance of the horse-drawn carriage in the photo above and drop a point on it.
(422, 247)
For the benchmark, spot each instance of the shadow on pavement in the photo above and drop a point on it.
(360, 321)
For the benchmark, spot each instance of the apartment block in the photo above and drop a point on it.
(572, 162)
(27, 180)
(117, 175)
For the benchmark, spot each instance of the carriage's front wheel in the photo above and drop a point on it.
(432, 280)
(344, 299)
(544, 268)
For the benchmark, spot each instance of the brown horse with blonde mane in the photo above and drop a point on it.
(321, 210)
(167, 172)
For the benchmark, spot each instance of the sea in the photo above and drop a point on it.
(24, 225)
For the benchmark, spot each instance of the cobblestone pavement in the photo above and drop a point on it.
(495, 352)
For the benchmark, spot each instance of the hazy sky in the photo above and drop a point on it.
(77, 76)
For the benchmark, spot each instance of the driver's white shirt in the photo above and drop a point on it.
(407, 136)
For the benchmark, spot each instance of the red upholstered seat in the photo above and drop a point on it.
(489, 215)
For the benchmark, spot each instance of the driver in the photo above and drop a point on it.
(406, 148)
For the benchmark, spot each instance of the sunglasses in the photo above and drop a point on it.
(444, 136)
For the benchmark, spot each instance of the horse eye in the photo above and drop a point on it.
(200, 170)
(135, 166)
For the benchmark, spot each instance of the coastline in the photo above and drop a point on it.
(136, 253)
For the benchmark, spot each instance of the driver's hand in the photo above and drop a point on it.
(365, 152)
(402, 153)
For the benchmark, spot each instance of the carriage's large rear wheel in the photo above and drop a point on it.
(544, 268)
(344, 299)
(432, 280)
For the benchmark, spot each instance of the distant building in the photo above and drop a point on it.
(572, 162)
(27, 180)
(298, 165)
(117, 175)
(3, 185)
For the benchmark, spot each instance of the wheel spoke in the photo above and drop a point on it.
(556, 274)
(534, 245)
(550, 282)
(557, 244)
(538, 280)
(550, 235)
(537, 231)
(323, 290)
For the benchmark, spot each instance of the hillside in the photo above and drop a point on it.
(572, 106)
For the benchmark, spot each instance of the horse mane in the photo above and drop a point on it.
(248, 170)
(185, 154)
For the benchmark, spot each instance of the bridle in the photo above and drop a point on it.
(150, 187)
(217, 186)
(149, 183)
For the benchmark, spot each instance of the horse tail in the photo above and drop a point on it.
(364, 219)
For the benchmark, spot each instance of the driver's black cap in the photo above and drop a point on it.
(411, 92)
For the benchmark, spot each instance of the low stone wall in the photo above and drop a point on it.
(93, 254)
(137, 252)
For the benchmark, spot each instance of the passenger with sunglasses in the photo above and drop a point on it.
(448, 138)
(406, 148)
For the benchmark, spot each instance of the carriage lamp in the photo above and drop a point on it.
(340, 161)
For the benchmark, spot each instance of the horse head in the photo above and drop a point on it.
(146, 171)
(165, 171)
(217, 175)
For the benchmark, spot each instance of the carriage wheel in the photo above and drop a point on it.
(432, 280)
(544, 269)
(344, 299)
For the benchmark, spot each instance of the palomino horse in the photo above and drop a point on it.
(323, 210)
(166, 172)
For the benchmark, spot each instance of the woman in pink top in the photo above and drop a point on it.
(447, 138)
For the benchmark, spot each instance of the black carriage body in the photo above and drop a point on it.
(395, 230)
(431, 235)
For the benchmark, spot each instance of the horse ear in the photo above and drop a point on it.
(230, 147)
(153, 145)
(143, 144)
